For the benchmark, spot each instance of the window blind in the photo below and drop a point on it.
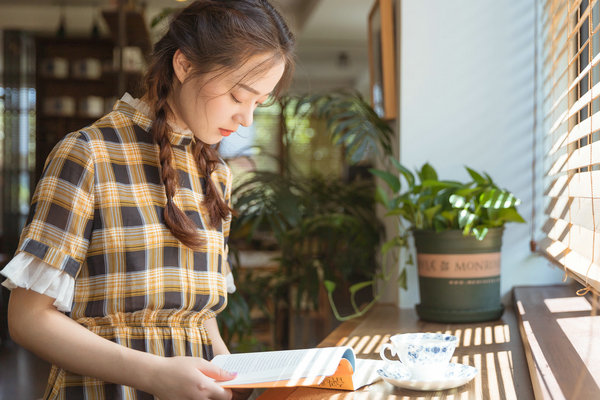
(570, 82)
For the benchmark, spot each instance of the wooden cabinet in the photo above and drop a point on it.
(67, 96)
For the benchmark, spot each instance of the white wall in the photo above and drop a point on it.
(466, 98)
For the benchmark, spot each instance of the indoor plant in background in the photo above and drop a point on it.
(457, 227)
(325, 226)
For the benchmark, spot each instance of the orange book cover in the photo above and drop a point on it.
(328, 367)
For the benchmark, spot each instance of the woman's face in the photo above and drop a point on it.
(214, 106)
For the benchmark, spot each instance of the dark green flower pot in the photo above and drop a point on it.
(459, 276)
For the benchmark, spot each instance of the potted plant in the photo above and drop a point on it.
(457, 228)
(325, 227)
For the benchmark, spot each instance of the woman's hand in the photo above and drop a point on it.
(182, 378)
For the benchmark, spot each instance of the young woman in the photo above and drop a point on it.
(128, 228)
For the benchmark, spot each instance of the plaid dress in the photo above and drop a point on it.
(97, 214)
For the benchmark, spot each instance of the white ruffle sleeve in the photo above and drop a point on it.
(230, 283)
(29, 272)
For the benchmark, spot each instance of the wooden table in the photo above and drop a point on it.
(495, 348)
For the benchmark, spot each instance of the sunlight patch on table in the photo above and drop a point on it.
(467, 338)
(342, 341)
(383, 341)
(361, 343)
(507, 376)
(499, 334)
(489, 337)
(477, 339)
(479, 377)
(458, 334)
(492, 378)
(353, 341)
(371, 345)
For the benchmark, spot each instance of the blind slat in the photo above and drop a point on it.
(589, 272)
(577, 238)
(561, 99)
(579, 77)
(557, 145)
(574, 211)
(584, 128)
(572, 197)
(560, 121)
(559, 162)
(557, 186)
(585, 156)
(579, 186)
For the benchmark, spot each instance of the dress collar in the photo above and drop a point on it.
(141, 114)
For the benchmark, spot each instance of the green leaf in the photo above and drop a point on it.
(397, 211)
(358, 286)
(466, 219)
(480, 232)
(429, 213)
(437, 185)
(410, 178)
(418, 219)
(428, 173)
(392, 180)
(510, 215)
(329, 286)
(450, 215)
(381, 197)
(489, 178)
(497, 198)
(339, 128)
(388, 245)
(402, 279)
(476, 176)
(467, 192)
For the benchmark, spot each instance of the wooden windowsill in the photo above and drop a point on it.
(560, 335)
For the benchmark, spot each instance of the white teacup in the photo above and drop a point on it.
(425, 355)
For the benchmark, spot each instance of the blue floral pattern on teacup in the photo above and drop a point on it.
(426, 348)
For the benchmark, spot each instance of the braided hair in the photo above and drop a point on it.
(214, 35)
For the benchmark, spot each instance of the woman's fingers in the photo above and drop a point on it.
(218, 374)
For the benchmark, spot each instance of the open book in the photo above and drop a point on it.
(327, 367)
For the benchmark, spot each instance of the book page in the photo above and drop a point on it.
(366, 372)
(290, 365)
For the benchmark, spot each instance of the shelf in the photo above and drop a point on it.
(51, 128)
(108, 75)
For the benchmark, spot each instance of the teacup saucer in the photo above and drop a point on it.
(456, 375)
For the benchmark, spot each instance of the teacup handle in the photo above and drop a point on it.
(382, 352)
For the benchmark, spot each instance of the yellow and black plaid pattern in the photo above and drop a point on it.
(97, 214)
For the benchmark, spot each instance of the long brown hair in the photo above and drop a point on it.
(214, 35)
